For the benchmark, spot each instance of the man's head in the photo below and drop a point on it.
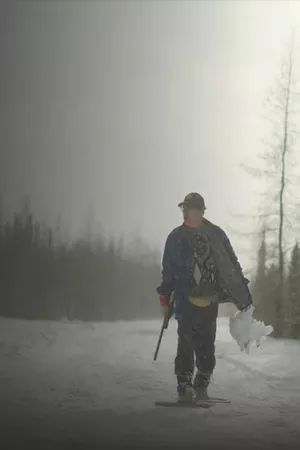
(193, 208)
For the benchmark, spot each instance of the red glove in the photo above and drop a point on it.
(164, 301)
(164, 304)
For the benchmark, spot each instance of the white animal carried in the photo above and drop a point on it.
(245, 330)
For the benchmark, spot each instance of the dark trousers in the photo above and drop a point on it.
(196, 341)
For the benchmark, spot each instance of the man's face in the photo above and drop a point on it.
(193, 216)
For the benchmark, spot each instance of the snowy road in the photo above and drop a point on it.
(74, 385)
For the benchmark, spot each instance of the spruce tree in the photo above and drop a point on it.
(292, 320)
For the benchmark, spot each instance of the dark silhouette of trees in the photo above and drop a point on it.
(91, 279)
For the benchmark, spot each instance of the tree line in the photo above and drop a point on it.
(100, 280)
(89, 279)
(265, 287)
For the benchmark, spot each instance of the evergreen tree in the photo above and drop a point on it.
(292, 320)
(265, 285)
(258, 288)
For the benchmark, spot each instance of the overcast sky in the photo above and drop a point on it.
(131, 105)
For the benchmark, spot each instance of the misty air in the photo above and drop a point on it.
(150, 225)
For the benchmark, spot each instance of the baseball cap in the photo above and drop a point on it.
(193, 200)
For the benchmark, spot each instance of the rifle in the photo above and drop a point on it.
(164, 326)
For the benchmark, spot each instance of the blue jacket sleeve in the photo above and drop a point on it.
(227, 244)
(232, 256)
(167, 285)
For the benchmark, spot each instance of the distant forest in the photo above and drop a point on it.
(99, 280)
(266, 288)
(89, 279)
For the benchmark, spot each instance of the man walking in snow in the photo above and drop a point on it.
(201, 270)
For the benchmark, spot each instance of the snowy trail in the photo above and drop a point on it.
(74, 385)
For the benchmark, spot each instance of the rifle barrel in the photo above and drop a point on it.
(159, 339)
(164, 326)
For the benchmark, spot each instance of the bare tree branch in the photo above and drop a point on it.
(259, 173)
(277, 170)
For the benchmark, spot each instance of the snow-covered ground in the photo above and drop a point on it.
(75, 385)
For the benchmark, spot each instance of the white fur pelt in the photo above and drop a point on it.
(245, 330)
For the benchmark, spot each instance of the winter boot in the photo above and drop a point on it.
(201, 394)
(185, 394)
(201, 384)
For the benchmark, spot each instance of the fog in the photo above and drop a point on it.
(111, 112)
(124, 107)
